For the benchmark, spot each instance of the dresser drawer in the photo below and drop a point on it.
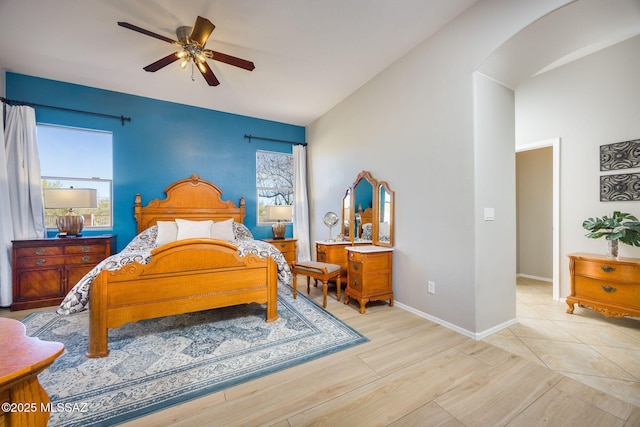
(85, 249)
(606, 291)
(373, 262)
(284, 246)
(355, 267)
(39, 251)
(355, 282)
(607, 271)
(40, 262)
(89, 258)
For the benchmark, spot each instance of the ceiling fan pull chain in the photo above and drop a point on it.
(193, 78)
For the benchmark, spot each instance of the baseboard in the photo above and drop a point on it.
(465, 332)
(542, 279)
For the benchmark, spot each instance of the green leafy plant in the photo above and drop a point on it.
(620, 226)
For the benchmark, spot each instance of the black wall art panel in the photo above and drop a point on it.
(620, 188)
(621, 155)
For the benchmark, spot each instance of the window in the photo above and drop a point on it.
(274, 181)
(78, 158)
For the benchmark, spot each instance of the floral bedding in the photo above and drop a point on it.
(139, 250)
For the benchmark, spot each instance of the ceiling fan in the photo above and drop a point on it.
(191, 42)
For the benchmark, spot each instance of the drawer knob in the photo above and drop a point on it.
(86, 258)
(356, 266)
(356, 283)
(41, 251)
(608, 289)
(85, 249)
(40, 261)
(607, 269)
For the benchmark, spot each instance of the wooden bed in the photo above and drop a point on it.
(183, 276)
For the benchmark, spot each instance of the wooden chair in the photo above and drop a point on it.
(322, 271)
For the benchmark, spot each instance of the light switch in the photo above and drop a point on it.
(489, 214)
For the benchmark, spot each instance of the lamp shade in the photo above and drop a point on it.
(68, 198)
(279, 212)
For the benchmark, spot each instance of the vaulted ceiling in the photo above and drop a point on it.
(309, 55)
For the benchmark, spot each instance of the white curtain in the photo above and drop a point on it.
(301, 202)
(21, 206)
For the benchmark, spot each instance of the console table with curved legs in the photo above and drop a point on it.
(609, 286)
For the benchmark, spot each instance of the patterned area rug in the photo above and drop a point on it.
(161, 362)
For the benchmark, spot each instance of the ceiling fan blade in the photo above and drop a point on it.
(148, 33)
(208, 74)
(231, 60)
(162, 62)
(201, 31)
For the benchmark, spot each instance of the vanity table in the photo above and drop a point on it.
(369, 275)
(366, 252)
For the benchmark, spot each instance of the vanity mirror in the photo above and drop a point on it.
(362, 201)
(346, 215)
(385, 215)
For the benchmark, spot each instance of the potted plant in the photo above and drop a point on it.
(621, 226)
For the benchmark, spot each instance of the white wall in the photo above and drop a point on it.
(588, 103)
(413, 126)
(494, 189)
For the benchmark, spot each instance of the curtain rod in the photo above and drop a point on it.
(250, 137)
(31, 104)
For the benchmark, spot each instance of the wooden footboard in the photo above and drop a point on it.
(182, 277)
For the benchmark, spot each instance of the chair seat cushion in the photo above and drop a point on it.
(316, 267)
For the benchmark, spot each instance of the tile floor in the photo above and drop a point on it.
(601, 352)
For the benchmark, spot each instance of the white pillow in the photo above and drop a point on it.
(167, 232)
(223, 230)
(193, 229)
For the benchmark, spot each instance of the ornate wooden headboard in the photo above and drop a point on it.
(193, 198)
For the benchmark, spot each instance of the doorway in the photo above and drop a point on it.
(538, 209)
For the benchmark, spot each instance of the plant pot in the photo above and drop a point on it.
(612, 249)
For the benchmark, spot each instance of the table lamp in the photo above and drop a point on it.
(279, 213)
(70, 224)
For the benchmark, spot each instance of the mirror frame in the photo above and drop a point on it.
(383, 185)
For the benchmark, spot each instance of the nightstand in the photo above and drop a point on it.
(45, 270)
(369, 275)
(288, 247)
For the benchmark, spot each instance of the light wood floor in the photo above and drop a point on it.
(413, 372)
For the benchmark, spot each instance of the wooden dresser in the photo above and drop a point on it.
(369, 275)
(44, 270)
(288, 247)
(608, 286)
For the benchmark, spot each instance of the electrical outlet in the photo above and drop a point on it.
(431, 287)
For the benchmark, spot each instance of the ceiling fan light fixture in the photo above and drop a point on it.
(191, 49)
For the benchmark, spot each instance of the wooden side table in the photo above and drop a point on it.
(23, 358)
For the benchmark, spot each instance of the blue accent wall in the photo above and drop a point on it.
(164, 142)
